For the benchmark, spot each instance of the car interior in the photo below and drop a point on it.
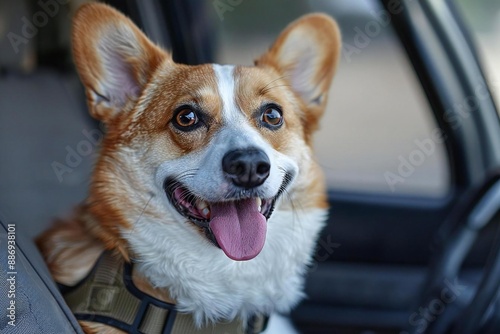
(410, 146)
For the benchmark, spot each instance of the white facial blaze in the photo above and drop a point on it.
(226, 86)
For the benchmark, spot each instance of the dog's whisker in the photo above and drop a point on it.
(296, 207)
(134, 226)
(265, 89)
(268, 89)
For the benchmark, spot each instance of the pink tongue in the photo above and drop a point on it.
(239, 227)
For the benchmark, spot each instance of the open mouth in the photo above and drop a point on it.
(237, 226)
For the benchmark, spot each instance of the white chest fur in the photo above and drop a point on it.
(206, 283)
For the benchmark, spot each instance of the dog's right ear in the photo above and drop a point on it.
(114, 58)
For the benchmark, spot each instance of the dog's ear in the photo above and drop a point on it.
(306, 55)
(114, 58)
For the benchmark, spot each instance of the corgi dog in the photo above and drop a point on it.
(205, 180)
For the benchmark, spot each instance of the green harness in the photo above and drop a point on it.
(108, 296)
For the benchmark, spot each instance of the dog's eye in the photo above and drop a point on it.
(272, 116)
(186, 118)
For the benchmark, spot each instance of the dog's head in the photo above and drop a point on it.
(219, 147)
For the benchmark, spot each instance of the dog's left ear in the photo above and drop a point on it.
(306, 54)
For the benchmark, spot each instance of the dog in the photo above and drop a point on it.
(205, 202)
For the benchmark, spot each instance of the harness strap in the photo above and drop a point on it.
(108, 295)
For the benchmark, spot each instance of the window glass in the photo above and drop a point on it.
(377, 134)
(483, 19)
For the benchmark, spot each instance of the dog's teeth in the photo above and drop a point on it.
(206, 212)
(258, 200)
(200, 205)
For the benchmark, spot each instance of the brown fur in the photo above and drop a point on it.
(117, 196)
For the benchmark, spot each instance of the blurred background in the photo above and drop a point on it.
(483, 19)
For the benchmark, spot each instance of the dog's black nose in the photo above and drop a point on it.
(246, 168)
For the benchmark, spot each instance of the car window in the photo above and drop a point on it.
(482, 17)
(378, 134)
